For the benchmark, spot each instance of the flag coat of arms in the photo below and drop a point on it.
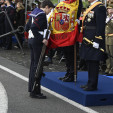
(63, 24)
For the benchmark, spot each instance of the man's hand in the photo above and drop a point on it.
(95, 45)
(78, 21)
(45, 42)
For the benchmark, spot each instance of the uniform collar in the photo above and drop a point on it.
(36, 12)
(93, 2)
(10, 6)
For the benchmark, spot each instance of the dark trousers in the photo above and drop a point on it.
(8, 42)
(36, 47)
(93, 72)
(20, 38)
(69, 55)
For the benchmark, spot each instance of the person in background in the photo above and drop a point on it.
(33, 6)
(2, 23)
(109, 40)
(20, 20)
(35, 26)
(11, 14)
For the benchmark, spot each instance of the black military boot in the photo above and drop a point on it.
(69, 78)
(66, 75)
(37, 95)
(37, 92)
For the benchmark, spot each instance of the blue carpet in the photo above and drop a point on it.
(103, 96)
(109, 76)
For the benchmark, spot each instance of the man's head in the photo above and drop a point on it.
(110, 9)
(109, 1)
(90, 1)
(47, 5)
(2, 2)
(8, 1)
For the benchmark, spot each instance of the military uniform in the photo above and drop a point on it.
(37, 23)
(69, 55)
(94, 30)
(109, 43)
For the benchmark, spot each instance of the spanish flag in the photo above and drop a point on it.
(63, 24)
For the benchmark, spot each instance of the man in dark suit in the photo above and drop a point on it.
(93, 29)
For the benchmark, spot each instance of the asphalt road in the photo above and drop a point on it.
(14, 69)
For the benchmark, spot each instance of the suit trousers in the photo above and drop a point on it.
(109, 61)
(69, 55)
(93, 72)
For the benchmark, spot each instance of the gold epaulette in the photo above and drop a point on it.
(109, 34)
(99, 37)
(101, 5)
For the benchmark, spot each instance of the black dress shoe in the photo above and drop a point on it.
(68, 79)
(38, 96)
(106, 73)
(89, 89)
(83, 86)
(109, 75)
(66, 75)
(61, 78)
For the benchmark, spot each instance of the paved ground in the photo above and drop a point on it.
(16, 55)
(15, 105)
(14, 93)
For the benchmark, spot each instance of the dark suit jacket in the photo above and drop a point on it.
(94, 26)
(11, 14)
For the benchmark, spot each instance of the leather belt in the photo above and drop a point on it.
(41, 32)
(31, 34)
(89, 27)
(109, 34)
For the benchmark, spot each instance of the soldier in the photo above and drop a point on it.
(93, 28)
(69, 55)
(68, 52)
(109, 40)
(110, 3)
(35, 26)
(2, 22)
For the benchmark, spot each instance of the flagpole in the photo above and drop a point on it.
(105, 3)
(25, 10)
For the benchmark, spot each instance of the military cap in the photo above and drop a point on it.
(110, 6)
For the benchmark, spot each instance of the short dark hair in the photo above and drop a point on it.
(47, 3)
(10, 1)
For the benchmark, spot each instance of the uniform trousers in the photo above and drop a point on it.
(93, 71)
(35, 46)
(69, 55)
(109, 61)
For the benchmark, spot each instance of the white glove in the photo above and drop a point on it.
(78, 21)
(95, 45)
(107, 19)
